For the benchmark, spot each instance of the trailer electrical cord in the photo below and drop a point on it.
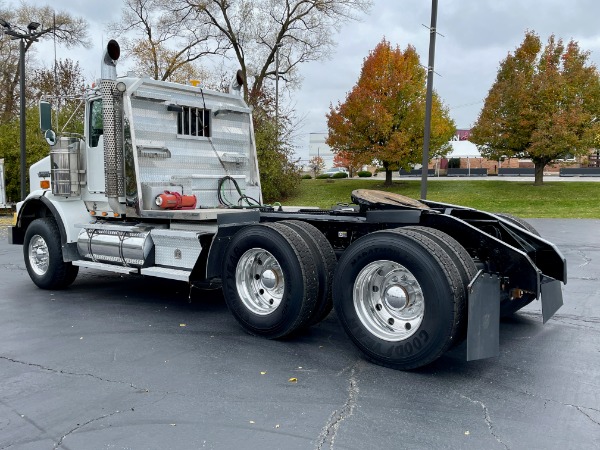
(251, 202)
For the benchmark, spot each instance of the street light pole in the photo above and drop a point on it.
(30, 36)
(428, 98)
(22, 118)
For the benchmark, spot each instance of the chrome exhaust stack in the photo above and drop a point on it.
(112, 116)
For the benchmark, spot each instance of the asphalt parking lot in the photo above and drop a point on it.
(141, 363)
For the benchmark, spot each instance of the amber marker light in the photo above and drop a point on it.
(45, 184)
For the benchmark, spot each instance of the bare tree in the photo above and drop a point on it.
(302, 30)
(166, 38)
(69, 31)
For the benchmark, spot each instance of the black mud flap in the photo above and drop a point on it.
(551, 297)
(483, 332)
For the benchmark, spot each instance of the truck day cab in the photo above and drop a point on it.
(165, 183)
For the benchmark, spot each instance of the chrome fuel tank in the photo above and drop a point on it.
(116, 244)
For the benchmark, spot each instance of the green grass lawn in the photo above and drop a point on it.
(553, 199)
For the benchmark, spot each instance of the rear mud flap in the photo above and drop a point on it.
(483, 332)
(551, 298)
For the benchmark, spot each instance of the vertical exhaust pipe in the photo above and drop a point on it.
(113, 127)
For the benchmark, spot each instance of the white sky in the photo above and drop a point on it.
(477, 36)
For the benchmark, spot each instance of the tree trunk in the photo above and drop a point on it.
(539, 173)
(388, 177)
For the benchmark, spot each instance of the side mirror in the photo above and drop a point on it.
(45, 116)
(50, 137)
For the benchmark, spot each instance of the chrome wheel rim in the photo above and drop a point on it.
(259, 281)
(39, 256)
(388, 300)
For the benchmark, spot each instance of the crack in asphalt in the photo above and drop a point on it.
(585, 259)
(10, 266)
(577, 407)
(487, 418)
(73, 430)
(64, 372)
(329, 431)
(581, 410)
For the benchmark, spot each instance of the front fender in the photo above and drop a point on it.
(66, 212)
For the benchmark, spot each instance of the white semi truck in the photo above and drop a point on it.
(165, 183)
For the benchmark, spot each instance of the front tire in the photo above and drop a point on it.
(43, 256)
(398, 294)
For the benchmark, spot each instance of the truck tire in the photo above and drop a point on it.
(325, 259)
(519, 222)
(269, 280)
(397, 294)
(43, 256)
(464, 263)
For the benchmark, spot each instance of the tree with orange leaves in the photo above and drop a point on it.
(383, 116)
(543, 105)
(344, 159)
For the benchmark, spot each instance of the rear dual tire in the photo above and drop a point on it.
(270, 280)
(399, 296)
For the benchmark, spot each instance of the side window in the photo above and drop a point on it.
(96, 125)
(193, 122)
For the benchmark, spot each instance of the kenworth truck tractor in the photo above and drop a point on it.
(165, 183)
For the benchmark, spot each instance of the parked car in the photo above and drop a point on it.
(331, 172)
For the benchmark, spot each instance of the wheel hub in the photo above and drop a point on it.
(388, 300)
(38, 255)
(269, 279)
(259, 281)
(395, 297)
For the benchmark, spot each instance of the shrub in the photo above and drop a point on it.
(364, 173)
(306, 177)
(322, 176)
(340, 175)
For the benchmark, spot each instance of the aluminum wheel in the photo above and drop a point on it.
(259, 281)
(38, 255)
(388, 300)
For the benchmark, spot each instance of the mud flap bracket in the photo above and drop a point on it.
(483, 332)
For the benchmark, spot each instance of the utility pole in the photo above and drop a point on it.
(428, 98)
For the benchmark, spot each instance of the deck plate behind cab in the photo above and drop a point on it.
(372, 197)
